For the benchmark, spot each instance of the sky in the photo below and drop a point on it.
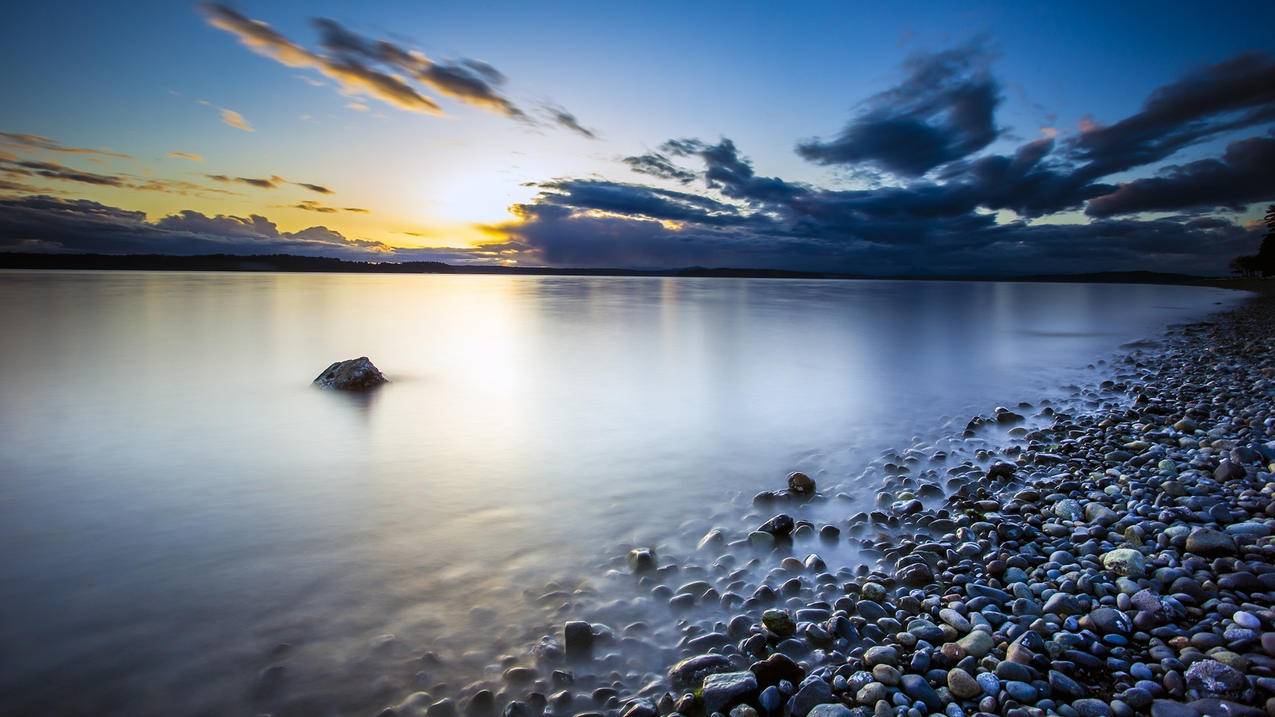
(881, 138)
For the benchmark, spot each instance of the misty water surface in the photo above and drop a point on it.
(177, 501)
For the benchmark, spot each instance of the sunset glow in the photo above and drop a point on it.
(567, 136)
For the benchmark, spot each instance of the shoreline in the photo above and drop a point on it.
(290, 264)
(1096, 564)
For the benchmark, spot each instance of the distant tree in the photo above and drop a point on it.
(1266, 255)
(1245, 266)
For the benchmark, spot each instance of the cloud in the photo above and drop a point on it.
(596, 225)
(941, 224)
(58, 171)
(942, 111)
(190, 156)
(469, 81)
(353, 77)
(260, 183)
(381, 69)
(39, 142)
(313, 206)
(658, 165)
(565, 119)
(12, 166)
(1243, 175)
(42, 223)
(1230, 95)
(317, 188)
(236, 120)
(271, 182)
(946, 207)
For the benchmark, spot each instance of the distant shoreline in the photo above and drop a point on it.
(288, 263)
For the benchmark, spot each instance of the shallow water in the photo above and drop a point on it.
(179, 508)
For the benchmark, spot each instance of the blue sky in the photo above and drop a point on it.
(149, 78)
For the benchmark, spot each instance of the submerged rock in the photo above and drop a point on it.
(356, 374)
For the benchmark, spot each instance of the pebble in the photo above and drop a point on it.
(1111, 556)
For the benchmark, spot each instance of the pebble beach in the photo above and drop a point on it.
(1110, 555)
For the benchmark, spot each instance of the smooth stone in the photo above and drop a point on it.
(691, 671)
(725, 689)
(779, 622)
(1210, 543)
(977, 644)
(1021, 691)
(830, 710)
(813, 691)
(962, 685)
(881, 655)
(1125, 561)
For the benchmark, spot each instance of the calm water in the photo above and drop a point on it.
(179, 508)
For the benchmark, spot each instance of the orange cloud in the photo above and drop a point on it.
(236, 120)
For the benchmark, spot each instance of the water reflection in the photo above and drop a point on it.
(179, 502)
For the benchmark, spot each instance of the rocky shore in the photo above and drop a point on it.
(1110, 555)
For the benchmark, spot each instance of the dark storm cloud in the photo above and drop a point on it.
(1243, 175)
(943, 110)
(1230, 95)
(594, 225)
(658, 165)
(1032, 181)
(635, 199)
(50, 224)
(943, 217)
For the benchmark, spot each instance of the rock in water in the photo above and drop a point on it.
(642, 560)
(578, 638)
(801, 484)
(351, 375)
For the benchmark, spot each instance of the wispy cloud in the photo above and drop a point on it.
(263, 183)
(564, 118)
(310, 205)
(381, 69)
(13, 167)
(59, 171)
(236, 120)
(190, 156)
(351, 76)
(272, 182)
(39, 142)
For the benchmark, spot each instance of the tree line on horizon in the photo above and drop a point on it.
(1263, 262)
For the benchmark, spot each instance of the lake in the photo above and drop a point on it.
(180, 510)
